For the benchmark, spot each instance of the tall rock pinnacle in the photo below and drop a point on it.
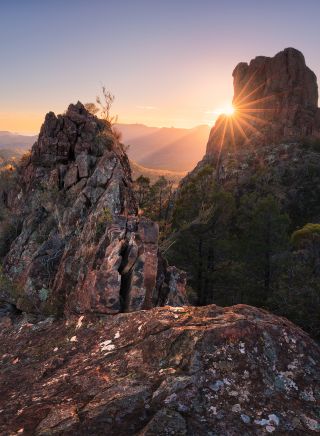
(275, 99)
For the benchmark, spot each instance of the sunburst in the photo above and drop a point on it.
(249, 115)
(245, 117)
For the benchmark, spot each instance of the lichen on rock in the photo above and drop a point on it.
(179, 371)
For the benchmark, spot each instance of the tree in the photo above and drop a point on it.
(142, 190)
(105, 103)
(263, 234)
(298, 290)
(102, 107)
(309, 234)
(92, 108)
(194, 197)
(205, 246)
(161, 194)
(308, 238)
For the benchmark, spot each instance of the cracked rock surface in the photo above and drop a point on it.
(81, 246)
(165, 371)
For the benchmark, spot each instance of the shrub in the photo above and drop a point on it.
(309, 233)
(103, 220)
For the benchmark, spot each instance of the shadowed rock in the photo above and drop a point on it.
(81, 247)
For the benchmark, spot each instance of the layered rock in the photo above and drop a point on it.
(82, 247)
(275, 99)
(179, 371)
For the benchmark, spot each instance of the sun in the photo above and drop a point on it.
(228, 111)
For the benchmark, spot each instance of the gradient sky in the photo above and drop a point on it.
(169, 63)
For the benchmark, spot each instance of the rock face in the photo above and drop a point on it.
(179, 371)
(272, 142)
(276, 100)
(81, 246)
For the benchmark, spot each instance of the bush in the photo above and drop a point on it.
(310, 233)
(311, 144)
(103, 220)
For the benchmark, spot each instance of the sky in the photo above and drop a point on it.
(168, 62)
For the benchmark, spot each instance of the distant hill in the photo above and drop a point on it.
(155, 174)
(166, 148)
(14, 145)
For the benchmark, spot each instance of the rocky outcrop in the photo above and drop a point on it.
(271, 143)
(275, 99)
(81, 246)
(180, 371)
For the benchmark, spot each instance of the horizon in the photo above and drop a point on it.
(142, 55)
(10, 132)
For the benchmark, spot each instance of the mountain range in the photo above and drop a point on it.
(166, 148)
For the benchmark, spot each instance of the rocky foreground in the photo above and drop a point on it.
(166, 371)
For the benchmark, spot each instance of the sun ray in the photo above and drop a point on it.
(242, 132)
(223, 132)
(218, 123)
(239, 103)
(222, 139)
(246, 86)
(254, 118)
(256, 110)
(250, 126)
(257, 101)
(236, 125)
(231, 129)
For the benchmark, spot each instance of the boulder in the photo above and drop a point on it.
(181, 371)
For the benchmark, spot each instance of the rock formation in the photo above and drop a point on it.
(274, 156)
(81, 246)
(82, 251)
(166, 371)
(275, 99)
(273, 136)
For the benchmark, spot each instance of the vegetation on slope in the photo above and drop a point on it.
(247, 237)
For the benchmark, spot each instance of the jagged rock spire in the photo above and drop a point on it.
(275, 98)
(82, 247)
